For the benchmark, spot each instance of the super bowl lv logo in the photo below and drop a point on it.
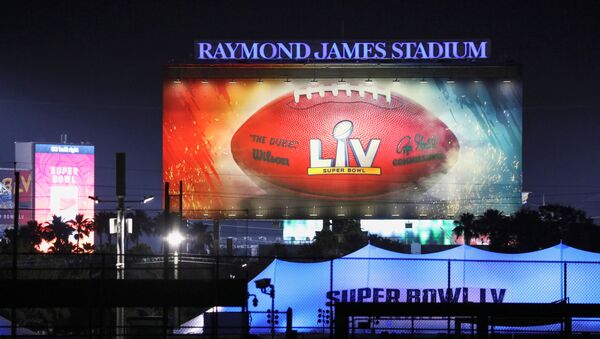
(341, 165)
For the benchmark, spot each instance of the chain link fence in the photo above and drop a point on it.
(305, 294)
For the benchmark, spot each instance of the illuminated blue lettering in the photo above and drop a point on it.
(262, 53)
(376, 50)
(456, 51)
(409, 50)
(323, 55)
(299, 47)
(380, 49)
(397, 52)
(367, 50)
(287, 50)
(350, 52)
(433, 46)
(334, 52)
(204, 50)
(420, 52)
(231, 49)
(476, 52)
(251, 53)
(219, 52)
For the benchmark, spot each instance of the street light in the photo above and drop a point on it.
(144, 200)
(121, 227)
(175, 238)
(147, 199)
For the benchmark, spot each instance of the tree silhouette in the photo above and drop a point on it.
(344, 237)
(497, 227)
(142, 224)
(530, 230)
(56, 233)
(202, 239)
(466, 227)
(26, 241)
(83, 228)
(26, 233)
(101, 225)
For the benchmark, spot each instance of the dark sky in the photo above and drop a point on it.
(94, 70)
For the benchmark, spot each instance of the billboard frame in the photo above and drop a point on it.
(505, 72)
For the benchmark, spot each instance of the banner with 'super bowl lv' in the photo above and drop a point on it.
(381, 148)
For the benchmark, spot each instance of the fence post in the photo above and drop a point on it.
(565, 281)
(288, 322)
(15, 248)
(449, 274)
(331, 316)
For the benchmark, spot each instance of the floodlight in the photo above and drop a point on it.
(175, 238)
(147, 199)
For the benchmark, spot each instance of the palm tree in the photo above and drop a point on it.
(83, 228)
(499, 229)
(465, 226)
(101, 224)
(202, 238)
(143, 224)
(26, 235)
(56, 233)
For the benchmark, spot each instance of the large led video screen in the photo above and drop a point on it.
(381, 148)
(64, 179)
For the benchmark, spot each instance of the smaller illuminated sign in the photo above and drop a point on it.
(341, 51)
(7, 196)
(64, 178)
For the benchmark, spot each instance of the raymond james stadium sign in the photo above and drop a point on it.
(341, 51)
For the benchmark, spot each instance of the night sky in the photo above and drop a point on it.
(94, 71)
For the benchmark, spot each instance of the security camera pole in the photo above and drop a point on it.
(121, 233)
(265, 287)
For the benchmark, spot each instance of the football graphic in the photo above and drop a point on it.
(343, 142)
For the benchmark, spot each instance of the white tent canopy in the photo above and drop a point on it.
(373, 274)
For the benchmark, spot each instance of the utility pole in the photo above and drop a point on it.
(121, 226)
(217, 237)
(15, 240)
(15, 246)
(176, 252)
(121, 233)
(166, 254)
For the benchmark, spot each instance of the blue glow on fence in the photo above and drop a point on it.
(374, 274)
(476, 276)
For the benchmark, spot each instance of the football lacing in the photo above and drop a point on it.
(335, 89)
